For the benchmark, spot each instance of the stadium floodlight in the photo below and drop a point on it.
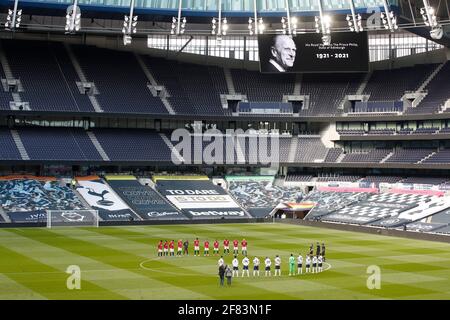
(73, 18)
(219, 25)
(323, 25)
(354, 20)
(178, 23)
(388, 18)
(288, 23)
(129, 25)
(429, 18)
(255, 25)
(13, 18)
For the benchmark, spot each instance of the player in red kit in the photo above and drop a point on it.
(216, 247)
(244, 247)
(172, 248)
(179, 248)
(235, 247)
(166, 248)
(160, 248)
(196, 247)
(226, 246)
(206, 246)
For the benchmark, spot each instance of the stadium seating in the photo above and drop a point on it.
(193, 89)
(327, 92)
(437, 93)
(310, 149)
(58, 144)
(291, 177)
(45, 85)
(390, 85)
(409, 155)
(5, 97)
(263, 87)
(443, 156)
(133, 145)
(333, 154)
(120, 80)
(8, 150)
(372, 156)
(380, 179)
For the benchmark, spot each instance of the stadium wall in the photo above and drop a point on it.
(371, 230)
(147, 222)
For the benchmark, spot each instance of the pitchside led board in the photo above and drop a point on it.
(348, 52)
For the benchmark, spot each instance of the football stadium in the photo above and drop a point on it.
(224, 150)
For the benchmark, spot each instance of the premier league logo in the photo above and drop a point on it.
(72, 216)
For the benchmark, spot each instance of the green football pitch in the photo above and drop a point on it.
(122, 263)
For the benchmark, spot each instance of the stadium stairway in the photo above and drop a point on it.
(427, 157)
(8, 73)
(340, 158)
(171, 147)
(153, 82)
(98, 146)
(364, 83)
(298, 84)
(82, 77)
(229, 81)
(387, 157)
(430, 77)
(19, 144)
(293, 149)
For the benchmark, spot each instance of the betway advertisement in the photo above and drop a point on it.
(145, 201)
(200, 199)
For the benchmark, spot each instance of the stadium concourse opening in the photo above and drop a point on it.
(300, 152)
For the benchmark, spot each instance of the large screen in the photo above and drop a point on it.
(347, 52)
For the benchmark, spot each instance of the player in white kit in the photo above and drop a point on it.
(235, 264)
(277, 265)
(220, 262)
(299, 264)
(256, 266)
(268, 263)
(307, 264)
(245, 263)
(320, 261)
(314, 263)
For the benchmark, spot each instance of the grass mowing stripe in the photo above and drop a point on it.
(414, 273)
(53, 285)
(114, 280)
(192, 276)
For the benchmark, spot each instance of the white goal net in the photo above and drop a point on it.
(72, 218)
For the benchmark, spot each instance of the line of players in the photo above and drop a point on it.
(167, 248)
(313, 264)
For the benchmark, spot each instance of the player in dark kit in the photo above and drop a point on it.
(323, 251)
(318, 250)
(166, 248)
(311, 249)
(186, 247)
(160, 248)
(172, 248)
(179, 248)
(216, 247)
(226, 246)
(196, 247)
(235, 247)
